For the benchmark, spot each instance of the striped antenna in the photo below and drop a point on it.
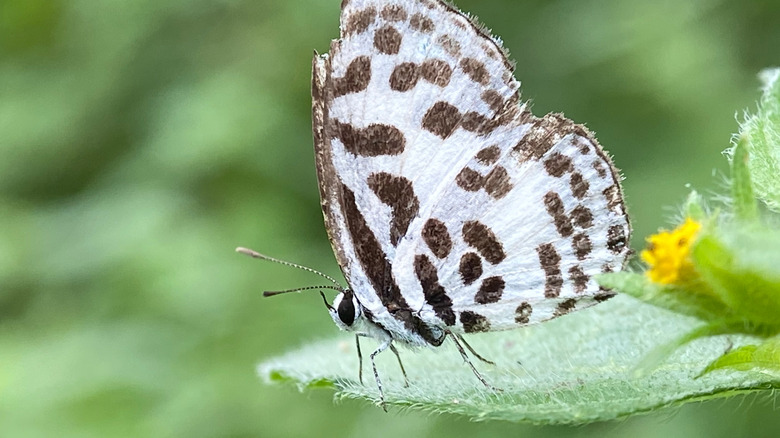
(257, 255)
(270, 293)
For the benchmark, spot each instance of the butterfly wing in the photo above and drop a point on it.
(431, 173)
(520, 231)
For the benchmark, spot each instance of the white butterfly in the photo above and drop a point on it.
(451, 208)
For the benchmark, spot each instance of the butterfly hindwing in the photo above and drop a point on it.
(519, 233)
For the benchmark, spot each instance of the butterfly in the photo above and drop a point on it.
(451, 209)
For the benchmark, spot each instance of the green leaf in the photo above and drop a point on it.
(575, 369)
(742, 266)
(762, 134)
(693, 300)
(764, 357)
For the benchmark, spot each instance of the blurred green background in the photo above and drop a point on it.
(141, 141)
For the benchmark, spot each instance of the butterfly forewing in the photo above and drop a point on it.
(450, 206)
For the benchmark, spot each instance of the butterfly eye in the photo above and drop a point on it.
(346, 310)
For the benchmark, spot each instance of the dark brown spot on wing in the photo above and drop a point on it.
(480, 237)
(555, 209)
(356, 78)
(441, 119)
(488, 155)
(497, 182)
(479, 123)
(371, 141)
(564, 307)
(579, 278)
(436, 236)
(523, 313)
(579, 186)
(474, 322)
(550, 263)
(490, 290)
(388, 40)
(421, 23)
(489, 51)
(394, 13)
(359, 21)
(582, 145)
(541, 137)
(436, 71)
(396, 192)
(616, 239)
(475, 70)
(581, 245)
(434, 293)
(582, 217)
(599, 169)
(493, 99)
(404, 76)
(557, 164)
(614, 199)
(469, 180)
(449, 45)
(470, 268)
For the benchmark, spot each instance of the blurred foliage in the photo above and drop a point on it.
(140, 142)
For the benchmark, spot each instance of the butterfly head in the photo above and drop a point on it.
(346, 310)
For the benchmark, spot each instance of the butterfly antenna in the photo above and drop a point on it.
(257, 255)
(270, 293)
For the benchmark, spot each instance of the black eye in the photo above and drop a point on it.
(347, 309)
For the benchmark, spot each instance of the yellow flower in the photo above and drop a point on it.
(668, 254)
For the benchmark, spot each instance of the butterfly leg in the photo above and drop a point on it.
(460, 338)
(380, 349)
(468, 361)
(360, 359)
(398, 356)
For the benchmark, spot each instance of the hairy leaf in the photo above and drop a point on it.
(762, 134)
(575, 369)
